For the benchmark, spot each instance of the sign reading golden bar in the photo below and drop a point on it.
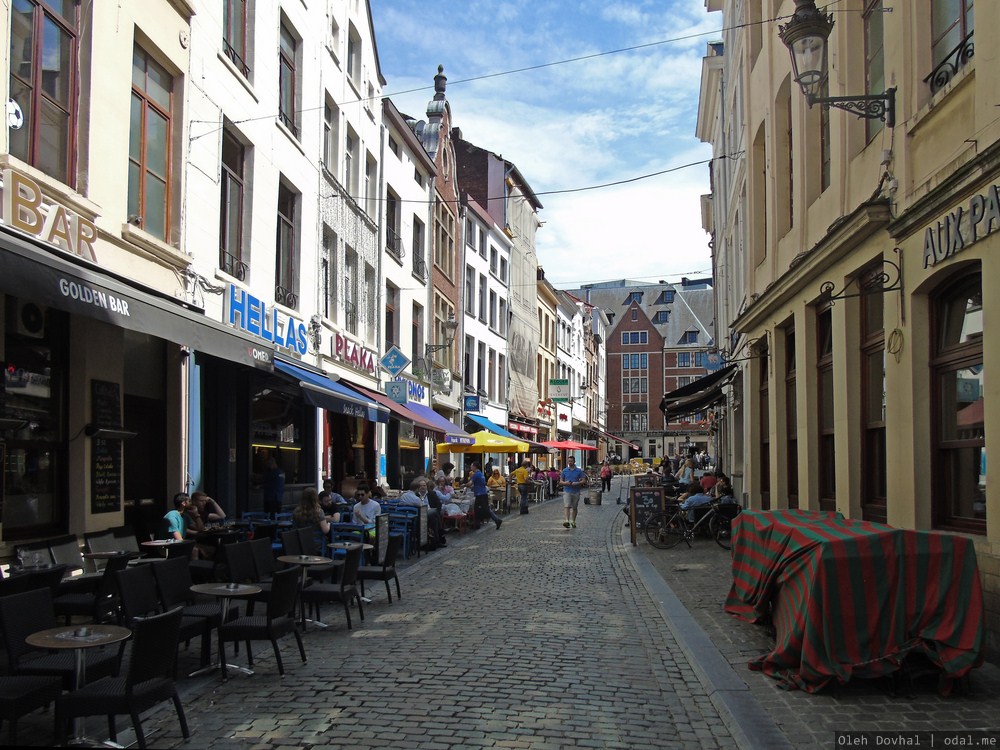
(963, 227)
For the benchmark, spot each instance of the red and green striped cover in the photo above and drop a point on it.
(849, 598)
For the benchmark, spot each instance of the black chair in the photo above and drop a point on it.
(99, 541)
(125, 539)
(14, 585)
(99, 605)
(65, 550)
(139, 599)
(148, 682)
(240, 568)
(263, 559)
(276, 623)
(173, 581)
(20, 695)
(27, 613)
(386, 571)
(345, 591)
(47, 577)
(290, 542)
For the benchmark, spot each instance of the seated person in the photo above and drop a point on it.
(708, 481)
(444, 489)
(416, 496)
(329, 502)
(690, 501)
(177, 522)
(208, 510)
(496, 480)
(309, 514)
(365, 508)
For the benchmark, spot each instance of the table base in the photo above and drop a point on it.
(213, 667)
(92, 742)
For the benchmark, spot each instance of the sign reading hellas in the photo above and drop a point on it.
(253, 315)
(57, 225)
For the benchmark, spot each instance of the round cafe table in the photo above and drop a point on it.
(79, 638)
(305, 562)
(225, 592)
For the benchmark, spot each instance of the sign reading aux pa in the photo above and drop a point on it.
(962, 227)
(256, 317)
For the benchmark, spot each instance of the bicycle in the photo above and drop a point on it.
(666, 529)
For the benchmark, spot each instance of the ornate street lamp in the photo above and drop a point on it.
(806, 36)
(450, 327)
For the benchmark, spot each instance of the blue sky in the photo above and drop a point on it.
(599, 120)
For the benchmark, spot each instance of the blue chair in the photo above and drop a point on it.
(404, 524)
(255, 515)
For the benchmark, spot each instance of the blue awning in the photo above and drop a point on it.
(320, 391)
(452, 432)
(493, 427)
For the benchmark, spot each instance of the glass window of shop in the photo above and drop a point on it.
(33, 420)
(959, 406)
(279, 431)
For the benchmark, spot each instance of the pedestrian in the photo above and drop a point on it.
(606, 474)
(573, 479)
(522, 475)
(482, 495)
(274, 487)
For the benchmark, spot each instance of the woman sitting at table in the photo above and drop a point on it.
(496, 480)
(309, 514)
(417, 496)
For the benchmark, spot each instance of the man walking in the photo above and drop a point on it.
(522, 475)
(573, 479)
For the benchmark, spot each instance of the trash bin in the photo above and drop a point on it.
(594, 497)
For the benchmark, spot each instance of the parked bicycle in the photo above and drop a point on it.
(667, 528)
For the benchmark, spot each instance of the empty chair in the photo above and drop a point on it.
(290, 542)
(240, 568)
(386, 571)
(139, 599)
(99, 541)
(101, 604)
(20, 695)
(27, 613)
(47, 578)
(173, 582)
(14, 585)
(345, 591)
(278, 621)
(66, 551)
(125, 538)
(148, 681)
(263, 559)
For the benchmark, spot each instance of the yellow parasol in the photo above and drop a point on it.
(486, 442)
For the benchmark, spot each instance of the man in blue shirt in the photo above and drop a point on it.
(573, 480)
(176, 520)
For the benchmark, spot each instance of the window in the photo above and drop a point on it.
(331, 121)
(683, 381)
(419, 265)
(635, 337)
(494, 261)
(470, 234)
(349, 290)
(791, 421)
(329, 280)
(502, 323)
(635, 297)
(286, 282)
(393, 242)
(287, 84)
(481, 367)
(666, 297)
(354, 56)
(493, 310)
(418, 177)
(683, 359)
(351, 163)
(951, 23)
(391, 316)
(959, 466)
(470, 290)
(825, 164)
(874, 58)
(482, 298)
(234, 34)
(689, 337)
(491, 376)
(470, 356)
(662, 316)
(149, 146)
(394, 147)
(501, 378)
(443, 314)
(482, 242)
(699, 359)
(873, 462)
(370, 193)
(444, 247)
(231, 221)
(827, 443)
(635, 313)
(503, 270)
(764, 433)
(417, 331)
(44, 48)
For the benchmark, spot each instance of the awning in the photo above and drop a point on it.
(615, 438)
(34, 273)
(568, 445)
(401, 412)
(533, 447)
(452, 432)
(697, 396)
(319, 390)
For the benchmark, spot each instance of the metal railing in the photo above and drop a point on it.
(234, 56)
(229, 263)
(949, 67)
(393, 243)
(419, 267)
(286, 297)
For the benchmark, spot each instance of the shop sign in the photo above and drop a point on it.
(352, 353)
(963, 227)
(471, 403)
(250, 314)
(54, 224)
(415, 391)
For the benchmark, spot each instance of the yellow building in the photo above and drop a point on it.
(859, 247)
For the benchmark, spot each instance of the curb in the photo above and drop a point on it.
(740, 710)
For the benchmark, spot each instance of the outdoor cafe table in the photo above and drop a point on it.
(851, 599)
(225, 593)
(304, 562)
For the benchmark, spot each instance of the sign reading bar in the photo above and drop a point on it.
(23, 209)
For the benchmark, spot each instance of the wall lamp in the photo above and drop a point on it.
(108, 433)
(806, 36)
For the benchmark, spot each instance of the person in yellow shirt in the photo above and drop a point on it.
(522, 475)
(496, 480)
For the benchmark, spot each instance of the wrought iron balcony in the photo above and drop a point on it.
(393, 243)
(286, 297)
(288, 120)
(419, 267)
(949, 67)
(232, 265)
(351, 318)
(234, 56)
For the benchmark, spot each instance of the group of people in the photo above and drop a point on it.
(712, 487)
(191, 515)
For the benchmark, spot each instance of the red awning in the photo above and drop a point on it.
(399, 410)
(615, 438)
(568, 445)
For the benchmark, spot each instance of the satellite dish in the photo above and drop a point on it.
(15, 117)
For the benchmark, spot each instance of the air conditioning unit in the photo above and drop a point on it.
(30, 319)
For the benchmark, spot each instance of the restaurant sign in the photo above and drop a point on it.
(23, 210)
(250, 314)
(962, 227)
(352, 353)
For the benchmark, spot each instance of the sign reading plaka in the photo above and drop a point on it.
(394, 361)
(559, 390)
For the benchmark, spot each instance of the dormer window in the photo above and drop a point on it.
(661, 317)
(689, 337)
(633, 297)
(666, 297)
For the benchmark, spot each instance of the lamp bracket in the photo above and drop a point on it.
(870, 106)
(879, 280)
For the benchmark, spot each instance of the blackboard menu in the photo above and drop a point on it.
(381, 536)
(105, 453)
(643, 502)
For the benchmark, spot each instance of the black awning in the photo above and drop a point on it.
(697, 396)
(34, 273)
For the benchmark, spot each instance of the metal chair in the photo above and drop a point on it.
(386, 571)
(20, 695)
(101, 604)
(345, 591)
(149, 681)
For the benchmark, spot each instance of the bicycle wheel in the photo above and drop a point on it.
(720, 527)
(664, 530)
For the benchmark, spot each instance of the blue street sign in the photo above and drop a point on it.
(394, 361)
(396, 390)
(472, 403)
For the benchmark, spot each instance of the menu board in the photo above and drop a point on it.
(381, 536)
(643, 502)
(423, 527)
(105, 453)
